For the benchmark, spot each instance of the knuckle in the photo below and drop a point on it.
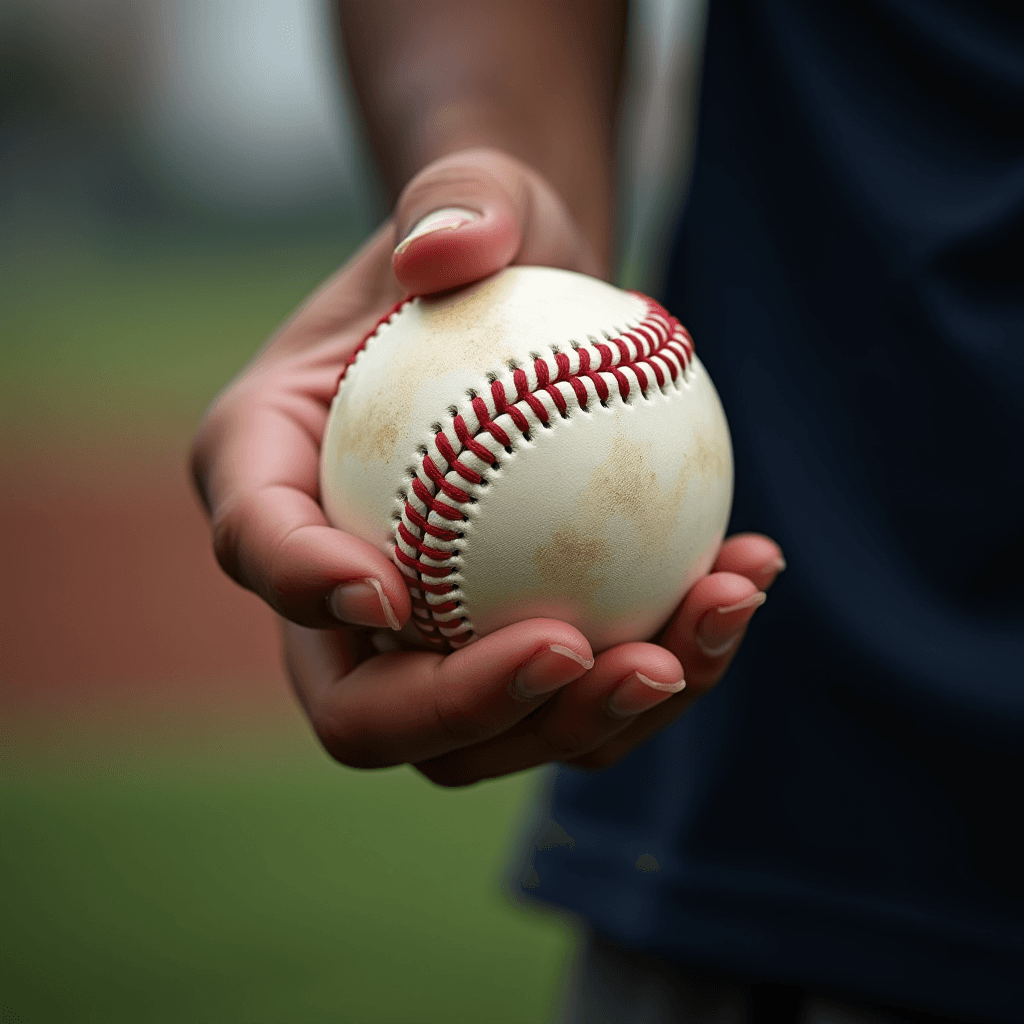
(439, 182)
(456, 718)
(242, 553)
(349, 744)
(280, 581)
(258, 558)
(227, 526)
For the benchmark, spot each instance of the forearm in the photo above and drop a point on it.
(536, 78)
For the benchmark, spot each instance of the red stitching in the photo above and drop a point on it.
(558, 398)
(486, 423)
(438, 554)
(502, 407)
(537, 406)
(446, 511)
(444, 446)
(599, 386)
(372, 334)
(434, 571)
(434, 531)
(437, 476)
(659, 348)
(466, 438)
(435, 588)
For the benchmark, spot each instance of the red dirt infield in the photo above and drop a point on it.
(111, 593)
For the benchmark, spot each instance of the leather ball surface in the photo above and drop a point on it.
(537, 444)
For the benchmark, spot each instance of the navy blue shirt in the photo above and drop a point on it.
(845, 810)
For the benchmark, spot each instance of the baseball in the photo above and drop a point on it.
(537, 444)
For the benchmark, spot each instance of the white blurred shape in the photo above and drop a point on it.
(246, 111)
(658, 127)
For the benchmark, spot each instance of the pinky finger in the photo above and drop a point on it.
(752, 555)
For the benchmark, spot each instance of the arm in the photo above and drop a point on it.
(435, 79)
(537, 79)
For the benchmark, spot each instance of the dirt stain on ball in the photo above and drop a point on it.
(626, 484)
(369, 431)
(569, 565)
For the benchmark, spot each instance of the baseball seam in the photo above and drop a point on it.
(451, 476)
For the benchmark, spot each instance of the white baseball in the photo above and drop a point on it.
(537, 444)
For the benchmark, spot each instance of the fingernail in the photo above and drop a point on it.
(638, 693)
(362, 603)
(770, 570)
(450, 218)
(721, 628)
(548, 670)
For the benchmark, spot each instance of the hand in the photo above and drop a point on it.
(488, 709)
(255, 459)
(530, 693)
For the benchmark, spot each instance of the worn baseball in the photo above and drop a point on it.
(537, 444)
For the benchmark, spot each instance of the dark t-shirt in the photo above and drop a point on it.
(845, 810)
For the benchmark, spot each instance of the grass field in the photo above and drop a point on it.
(199, 873)
(139, 332)
(260, 884)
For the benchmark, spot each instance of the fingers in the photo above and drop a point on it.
(412, 705)
(624, 683)
(707, 628)
(276, 542)
(524, 696)
(705, 633)
(258, 473)
(752, 555)
(255, 462)
(475, 212)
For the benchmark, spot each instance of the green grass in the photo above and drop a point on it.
(263, 883)
(141, 332)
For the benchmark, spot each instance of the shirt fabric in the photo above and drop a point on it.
(844, 810)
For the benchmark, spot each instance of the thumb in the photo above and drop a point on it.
(472, 213)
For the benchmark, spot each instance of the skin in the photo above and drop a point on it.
(501, 110)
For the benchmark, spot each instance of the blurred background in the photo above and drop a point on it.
(175, 176)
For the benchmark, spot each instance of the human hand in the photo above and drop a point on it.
(488, 709)
(256, 456)
(530, 693)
